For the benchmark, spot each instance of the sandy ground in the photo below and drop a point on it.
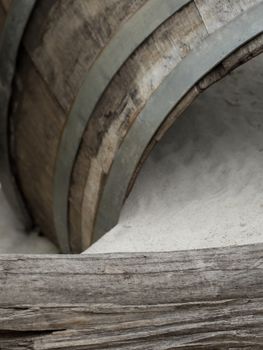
(13, 239)
(201, 187)
(203, 184)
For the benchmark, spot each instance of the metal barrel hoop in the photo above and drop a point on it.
(10, 40)
(132, 34)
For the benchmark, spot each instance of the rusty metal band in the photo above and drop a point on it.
(10, 40)
(140, 26)
(191, 69)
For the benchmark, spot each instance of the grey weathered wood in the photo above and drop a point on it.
(207, 299)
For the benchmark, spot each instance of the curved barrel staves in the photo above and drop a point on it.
(134, 32)
(209, 54)
(10, 39)
(142, 60)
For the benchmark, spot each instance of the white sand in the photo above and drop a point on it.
(12, 237)
(203, 184)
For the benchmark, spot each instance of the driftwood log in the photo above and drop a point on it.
(206, 299)
(74, 187)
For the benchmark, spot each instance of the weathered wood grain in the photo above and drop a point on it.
(2, 17)
(207, 299)
(217, 13)
(30, 120)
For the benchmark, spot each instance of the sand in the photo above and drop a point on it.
(202, 186)
(13, 239)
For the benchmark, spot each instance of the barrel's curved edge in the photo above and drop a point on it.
(136, 30)
(10, 40)
(209, 54)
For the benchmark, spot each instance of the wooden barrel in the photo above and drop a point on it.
(97, 84)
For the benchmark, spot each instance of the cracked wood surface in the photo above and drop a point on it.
(206, 299)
